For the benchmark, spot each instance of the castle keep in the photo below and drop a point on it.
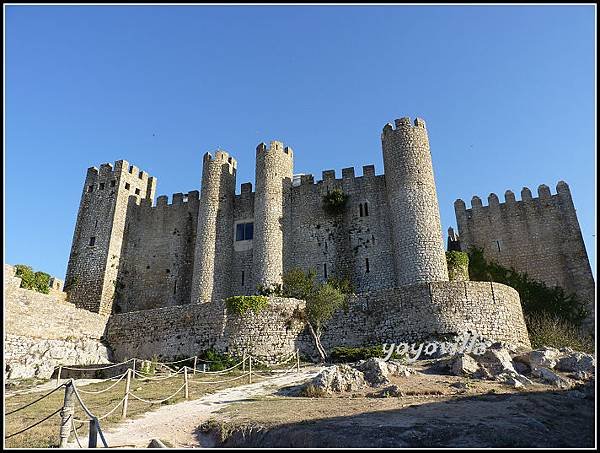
(130, 254)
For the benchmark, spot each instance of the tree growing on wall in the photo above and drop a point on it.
(322, 299)
(36, 281)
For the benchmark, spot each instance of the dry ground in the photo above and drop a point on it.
(431, 413)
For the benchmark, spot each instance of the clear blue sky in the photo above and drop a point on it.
(508, 94)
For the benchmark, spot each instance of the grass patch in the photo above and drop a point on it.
(46, 434)
(548, 330)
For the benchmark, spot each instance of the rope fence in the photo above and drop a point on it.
(73, 393)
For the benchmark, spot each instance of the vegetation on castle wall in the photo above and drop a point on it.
(458, 265)
(241, 304)
(334, 202)
(217, 361)
(553, 317)
(36, 281)
(322, 299)
(342, 354)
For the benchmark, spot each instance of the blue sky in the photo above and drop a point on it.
(508, 94)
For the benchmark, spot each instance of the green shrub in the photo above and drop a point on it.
(342, 354)
(36, 281)
(334, 202)
(537, 298)
(548, 330)
(241, 304)
(458, 265)
(217, 361)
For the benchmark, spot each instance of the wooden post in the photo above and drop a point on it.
(134, 364)
(126, 400)
(244, 362)
(297, 360)
(250, 369)
(185, 377)
(195, 361)
(93, 437)
(67, 413)
(58, 374)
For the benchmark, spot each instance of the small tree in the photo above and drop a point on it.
(322, 301)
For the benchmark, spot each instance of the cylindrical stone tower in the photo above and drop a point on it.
(214, 238)
(412, 200)
(274, 172)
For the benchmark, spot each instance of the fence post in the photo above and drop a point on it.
(244, 362)
(126, 400)
(185, 377)
(66, 414)
(58, 374)
(297, 360)
(93, 437)
(134, 364)
(195, 361)
(250, 369)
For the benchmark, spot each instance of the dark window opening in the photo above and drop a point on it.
(137, 191)
(141, 174)
(96, 226)
(175, 288)
(92, 240)
(498, 245)
(90, 188)
(366, 210)
(127, 186)
(168, 271)
(367, 264)
(242, 278)
(101, 186)
(131, 169)
(244, 231)
(113, 183)
(325, 270)
(360, 209)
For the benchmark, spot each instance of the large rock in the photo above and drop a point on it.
(551, 377)
(396, 368)
(545, 357)
(576, 361)
(338, 378)
(495, 362)
(375, 371)
(464, 365)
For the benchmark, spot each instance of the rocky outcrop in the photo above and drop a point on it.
(338, 378)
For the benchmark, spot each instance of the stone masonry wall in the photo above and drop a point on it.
(412, 313)
(43, 331)
(539, 236)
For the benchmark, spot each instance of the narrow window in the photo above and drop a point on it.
(239, 232)
(498, 245)
(96, 226)
(92, 240)
(325, 270)
(127, 186)
(366, 209)
(361, 209)
(141, 174)
(367, 263)
(175, 288)
(242, 278)
(101, 186)
(131, 169)
(113, 183)
(137, 191)
(248, 231)
(90, 188)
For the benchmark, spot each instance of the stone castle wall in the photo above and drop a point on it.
(539, 236)
(413, 313)
(43, 331)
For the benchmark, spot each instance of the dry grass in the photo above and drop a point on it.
(47, 434)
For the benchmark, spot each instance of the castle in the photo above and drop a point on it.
(129, 254)
(147, 279)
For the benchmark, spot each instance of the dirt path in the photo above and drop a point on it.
(177, 423)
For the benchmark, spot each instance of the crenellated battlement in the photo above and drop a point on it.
(177, 199)
(543, 192)
(348, 175)
(274, 146)
(222, 157)
(404, 123)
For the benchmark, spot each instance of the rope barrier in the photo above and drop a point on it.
(35, 424)
(220, 371)
(147, 378)
(293, 355)
(220, 382)
(96, 369)
(158, 401)
(33, 402)
(107, 388)
(75, 431)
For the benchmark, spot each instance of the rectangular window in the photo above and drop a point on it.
(325, 270)
(90, 188)
(366, 210)
(244, 231)
(101, 186)
(242, 278)
(367, 264)
(113, 183)
(92, 240)
(127, 186)
(137, 191)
